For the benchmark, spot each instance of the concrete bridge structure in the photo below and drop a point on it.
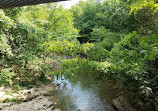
(18, 3)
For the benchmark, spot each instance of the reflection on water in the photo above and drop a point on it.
(84, 93)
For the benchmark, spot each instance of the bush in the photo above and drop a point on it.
(73, 66)
(65, 47)
(107, 38)
(133, 60)
(6, 76)
(98, 53)
(145, 16)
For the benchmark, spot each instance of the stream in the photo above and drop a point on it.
(85, 93)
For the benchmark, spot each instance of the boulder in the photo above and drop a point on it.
(121, 104)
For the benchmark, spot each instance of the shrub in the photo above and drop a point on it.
(133, 60)
(98, 53)
(73, 66)
(65, 47)
(6, 76)
(107, 38)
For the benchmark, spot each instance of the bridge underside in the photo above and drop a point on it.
(19, 3)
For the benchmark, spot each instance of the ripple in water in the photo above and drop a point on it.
(83, 93)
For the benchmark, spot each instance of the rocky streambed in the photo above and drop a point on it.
(35, 99)
(46, 98)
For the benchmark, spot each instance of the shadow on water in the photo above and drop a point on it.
(85, 93)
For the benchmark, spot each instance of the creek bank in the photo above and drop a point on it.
(35, 99)
(74, 86)
(121, 104)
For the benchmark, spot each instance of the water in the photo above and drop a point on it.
(84, 93)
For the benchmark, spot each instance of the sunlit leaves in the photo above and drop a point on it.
(6, 76)
(5, 22)
(5, 49)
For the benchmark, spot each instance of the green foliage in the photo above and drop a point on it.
(94, 51)
(64, 46)
(109, 14)
(84, 13)
(6, 75)
(72, 66)
(115, 16)
(105, 37)
(133, 59)
(12, 12)
(145, 16)
(86, 48)
(98, 53)
(133, 47)
(5, 22)
(24, 31)
(5, 48)
(61, 25)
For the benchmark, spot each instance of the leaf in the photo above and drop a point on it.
(142, 51)
(121, 61)
(130, 53)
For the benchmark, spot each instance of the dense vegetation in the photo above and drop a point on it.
(124, 47)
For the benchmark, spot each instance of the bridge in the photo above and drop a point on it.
(18, 3)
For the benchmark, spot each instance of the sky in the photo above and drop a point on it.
(69, 3)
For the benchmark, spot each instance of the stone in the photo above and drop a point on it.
(40, 103)
(121, 104)
(35, 99)
(4, 105)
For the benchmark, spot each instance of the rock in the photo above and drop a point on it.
(58, 84)
(4, 105)
(35, 99)
(121, 104)
(40, 103)
(44, 90)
